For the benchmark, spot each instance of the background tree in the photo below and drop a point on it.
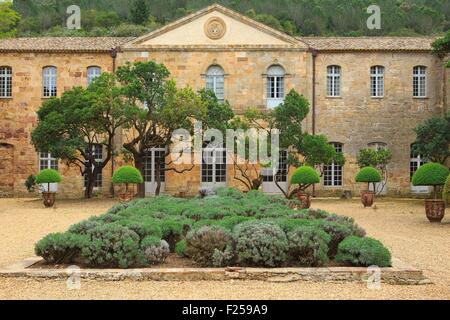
(139, 12)
(441, 47)
(433, 139)
(156, 108)
(71, 126)
(9, 19)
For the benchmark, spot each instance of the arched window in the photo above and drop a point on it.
(377, 81)
(333, 81)
(92, 73)
(275, 85)
(5, 82)
(215, 81)
(419, 82)
(333, 173)
(49, 78)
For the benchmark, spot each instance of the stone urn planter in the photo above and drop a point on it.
(367, 198)
(49, 199)
(305, 199)
(435, 210)
(435, 175)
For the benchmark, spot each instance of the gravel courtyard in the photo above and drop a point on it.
(400, 224)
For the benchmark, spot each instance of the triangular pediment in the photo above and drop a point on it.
(215, 26)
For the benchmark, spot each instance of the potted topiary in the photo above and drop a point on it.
(432, 174)
(127, 175)
(305, 177)
(368, 175)
(48, 176)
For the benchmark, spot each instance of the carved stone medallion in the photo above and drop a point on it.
(215, 28)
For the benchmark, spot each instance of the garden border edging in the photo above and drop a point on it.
(399, 274)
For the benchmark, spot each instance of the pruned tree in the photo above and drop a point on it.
(156, 108)
(71, 126)
(378, 159)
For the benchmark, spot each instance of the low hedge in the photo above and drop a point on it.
(365, 252)
(226, 229)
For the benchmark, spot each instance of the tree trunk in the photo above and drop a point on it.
(139, 164)
(90, 183)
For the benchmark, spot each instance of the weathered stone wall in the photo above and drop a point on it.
(355, 119)
(18, 114)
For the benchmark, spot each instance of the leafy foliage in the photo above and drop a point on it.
(202, 243)
(127, 175)
(48, 176)
(305, 177)
(8, 20)
(61, 248)
(433, 139)
(363, 252)
(430, 174)
(308, 246)
(446, 191)
(368, 174)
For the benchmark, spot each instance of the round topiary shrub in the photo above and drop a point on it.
(369, 175)
(61, 248)
(260, 243)
(308, 246)
(364, 252)
(202, 243)
(48, 176)
(113, 246)
(127, 175)
(431, 174)
(305, 176)
(446, 192)
(156, 250)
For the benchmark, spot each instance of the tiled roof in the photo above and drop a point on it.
(62, 44)
(369, 43)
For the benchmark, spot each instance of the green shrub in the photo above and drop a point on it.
(156, 250)
(363, 252)
(127, 175)
(30, 183)
(180, 248)
(84, 226)
(173, 229)
(229, 193)
(337, 232)
(430, 174)
(446, 192)
(201, 244)
(48, 176)
(224, 258)
(61, 248)
(308, 246)
(143, 227)
(290, 224)
(113, 246)
(369, 175)
(305, 176)
(260, 243)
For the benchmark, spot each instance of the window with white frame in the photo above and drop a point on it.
(377, 81)
(334, 81)
(46, 161)
(275, 85)
(215, 81)
(98, 157)
(92, 73)
(419, 82)
(282, 173)
(49, 78)
(152, 159)
(5, 82)
(415, 162)
(332, 174)
(214, 165)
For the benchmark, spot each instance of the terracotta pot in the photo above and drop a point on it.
(305, 199)
(126, 196)
(49, 199)
(435, 210)
(367, 198)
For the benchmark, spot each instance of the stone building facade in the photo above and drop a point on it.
(363, 91)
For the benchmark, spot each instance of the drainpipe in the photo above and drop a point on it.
(113, 54)
(314, 53)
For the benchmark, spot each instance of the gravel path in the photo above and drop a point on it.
(400, 224)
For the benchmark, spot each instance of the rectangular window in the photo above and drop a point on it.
(419, 82)
(275, 87)
(153, 157)
(49, 82)
(282, 174)
(92, 73)
(377, 81)
(5, 82)
(98, 156)
(333, 173)
(214, 165)
(46, 161)
(334, 81)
